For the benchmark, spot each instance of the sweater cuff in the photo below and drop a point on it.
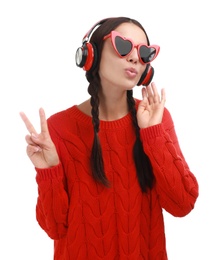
(46, 174)
(151, 132)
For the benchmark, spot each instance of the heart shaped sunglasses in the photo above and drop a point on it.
(124, 46)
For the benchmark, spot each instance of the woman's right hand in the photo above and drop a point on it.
(40, 147)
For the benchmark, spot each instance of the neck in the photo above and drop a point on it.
(113, 107)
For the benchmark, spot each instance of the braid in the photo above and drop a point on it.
(96, 160)
(142, 161)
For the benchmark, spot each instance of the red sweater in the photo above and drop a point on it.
(87, 220)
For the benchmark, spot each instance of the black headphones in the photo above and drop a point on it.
(86, 57)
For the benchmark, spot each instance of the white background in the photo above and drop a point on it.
(38, 40)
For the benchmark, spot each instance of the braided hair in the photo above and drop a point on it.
(143, 166)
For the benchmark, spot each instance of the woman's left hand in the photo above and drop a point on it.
(150, 109)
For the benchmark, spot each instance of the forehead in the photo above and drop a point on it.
(132, 31)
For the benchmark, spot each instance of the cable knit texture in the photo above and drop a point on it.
(89, 221)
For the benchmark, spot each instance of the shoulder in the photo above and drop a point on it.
(167, 118)
(62, 115)
(63, 121)
(85, 107)
(68, 121)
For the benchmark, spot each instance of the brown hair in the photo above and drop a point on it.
(143, 166)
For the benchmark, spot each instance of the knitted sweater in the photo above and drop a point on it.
(89, 221)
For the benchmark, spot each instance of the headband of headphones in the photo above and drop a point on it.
(90, 31)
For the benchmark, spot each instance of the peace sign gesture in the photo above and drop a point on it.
(40, 148)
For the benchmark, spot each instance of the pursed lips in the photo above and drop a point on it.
(131, 72)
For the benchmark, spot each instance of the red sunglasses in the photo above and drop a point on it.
(124, 46)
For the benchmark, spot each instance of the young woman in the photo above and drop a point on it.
(106, 168)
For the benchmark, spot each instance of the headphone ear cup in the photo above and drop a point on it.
(94, 62)
(147, 76)
(81, 56)
(86, 56)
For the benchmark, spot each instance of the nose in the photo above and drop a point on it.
(133, 56)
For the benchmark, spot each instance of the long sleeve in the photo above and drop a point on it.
(52, 202)
(176, 186)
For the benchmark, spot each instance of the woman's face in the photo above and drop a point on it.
(122, 72)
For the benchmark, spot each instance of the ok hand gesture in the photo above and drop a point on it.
(150, 109)
(40, 148)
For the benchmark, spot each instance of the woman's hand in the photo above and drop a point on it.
(150, 109)
(40, 148)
